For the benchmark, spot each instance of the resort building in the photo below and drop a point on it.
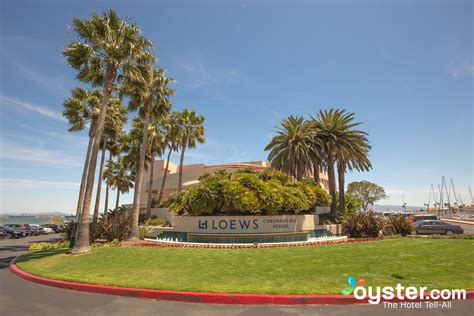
(191, 174)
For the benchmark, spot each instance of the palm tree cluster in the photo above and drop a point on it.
(303, 148)
(118, 62)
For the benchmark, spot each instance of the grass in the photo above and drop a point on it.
(435, 263)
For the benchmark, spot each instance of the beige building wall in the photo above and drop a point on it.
(191, 174)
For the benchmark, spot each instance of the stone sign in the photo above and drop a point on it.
(244, 224)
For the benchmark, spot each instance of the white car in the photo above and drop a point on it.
(48, 230)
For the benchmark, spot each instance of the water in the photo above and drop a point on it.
(39, 219)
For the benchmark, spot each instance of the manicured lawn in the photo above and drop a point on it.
(435, 263)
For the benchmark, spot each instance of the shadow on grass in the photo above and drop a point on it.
(35, 255)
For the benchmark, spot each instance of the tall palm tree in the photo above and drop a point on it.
(148, 90)
(190, 131)
(106, 46)
(114, 122)
(335, 129)
(119, 177)
(115, 144)
(293, 150)
(171, 141)
(82, 109)
(156, 135)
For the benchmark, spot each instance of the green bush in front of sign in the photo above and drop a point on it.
(246, 192)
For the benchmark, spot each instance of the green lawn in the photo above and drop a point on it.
(435, 263)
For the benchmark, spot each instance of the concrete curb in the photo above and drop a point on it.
(199, 297)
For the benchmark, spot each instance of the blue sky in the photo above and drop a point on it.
(406, 69)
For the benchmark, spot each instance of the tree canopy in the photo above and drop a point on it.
(248, 192)
(366, 191)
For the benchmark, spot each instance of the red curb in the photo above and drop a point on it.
(201, 297)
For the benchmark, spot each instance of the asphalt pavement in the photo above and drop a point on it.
(21, 297)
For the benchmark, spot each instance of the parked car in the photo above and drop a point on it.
(437, 227)
(47, 229)
(8, 232)
(25, 228)
(416, 218)
(55, 227)
(36, 229)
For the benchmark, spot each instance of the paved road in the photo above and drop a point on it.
(468, 229)
(20, 297)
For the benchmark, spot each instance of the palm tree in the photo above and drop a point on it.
(114, 145)
(106, 47)
(355, 157)
(293, 149)
(119, 177)
(334, 129)
(190, 131)
(156, 135)
(114, 122)
(148, 90)
(82, 109)
(171, 141)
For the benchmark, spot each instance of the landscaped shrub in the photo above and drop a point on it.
(116, 225)
(397, 224)
(157, 221)
(247, 192)
(48, 246)
(144, 230)
(362, 224)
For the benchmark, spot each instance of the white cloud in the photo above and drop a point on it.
(460, 70)
(34, 108)
(39, 77)
(29, 183)
(14, 151)
(197, 73)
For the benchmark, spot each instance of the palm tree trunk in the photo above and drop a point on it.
(164, 176)
(139, 176)
(106, 206)
(81, 244)
(99, 186)
(150, 187)
(181, 160)
(84, 178)
(341, 170)
(316, 174)
(117, 200)
(332, 184)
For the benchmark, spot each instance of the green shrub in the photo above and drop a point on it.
(397, 224)
(116, 225)
(144, 230)
(245, 192)
(48, 246)
(362, 224)
(157, 222)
